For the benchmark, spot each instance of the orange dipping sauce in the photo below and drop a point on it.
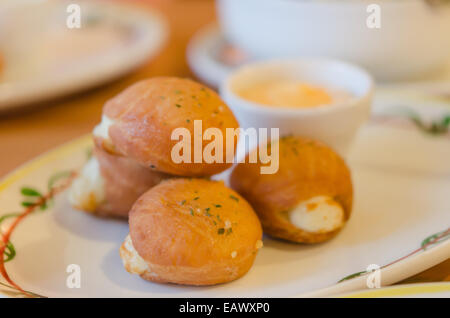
(293, 94)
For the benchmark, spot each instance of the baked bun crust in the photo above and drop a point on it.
(144, 115)
(192, 231)
(309, 172)
(125, 182)
(122, 182)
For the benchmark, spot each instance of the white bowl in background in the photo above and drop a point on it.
(413, 38)
(336, 125)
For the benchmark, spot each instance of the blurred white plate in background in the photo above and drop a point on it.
(44, 59)
(212, 58)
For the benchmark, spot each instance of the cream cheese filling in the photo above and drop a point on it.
(132, 261)
(102, 129)
(87, 190)
(319, 214)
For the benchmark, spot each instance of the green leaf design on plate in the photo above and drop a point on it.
(430, 240)
(57, 177)
(15, 293)
(7, 216)
(33, 200)
(437, 127)
(435, 238)
(352, 276)
(33, 197)
(10, 252)
(30, 192)
(27, 204)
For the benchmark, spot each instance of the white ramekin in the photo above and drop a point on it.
(413, 37)
(336, 125)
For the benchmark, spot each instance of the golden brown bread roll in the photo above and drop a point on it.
(109, 184)
(139, 122)
(308, 200)
(191, 231)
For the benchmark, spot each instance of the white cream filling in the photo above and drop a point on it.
(319, 214)
(134, 263)
(87, 190)
(102, 129)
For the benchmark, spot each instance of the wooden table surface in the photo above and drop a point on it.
(31, 131)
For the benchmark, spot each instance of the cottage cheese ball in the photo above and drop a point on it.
(309, 198)
(108, 185)
(139, 122)
(192, 232)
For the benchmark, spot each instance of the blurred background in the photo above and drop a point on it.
(27, 130)
(55, 76)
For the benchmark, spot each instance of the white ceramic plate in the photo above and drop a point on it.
(212, 58)
(44, 59)
(402, 181)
